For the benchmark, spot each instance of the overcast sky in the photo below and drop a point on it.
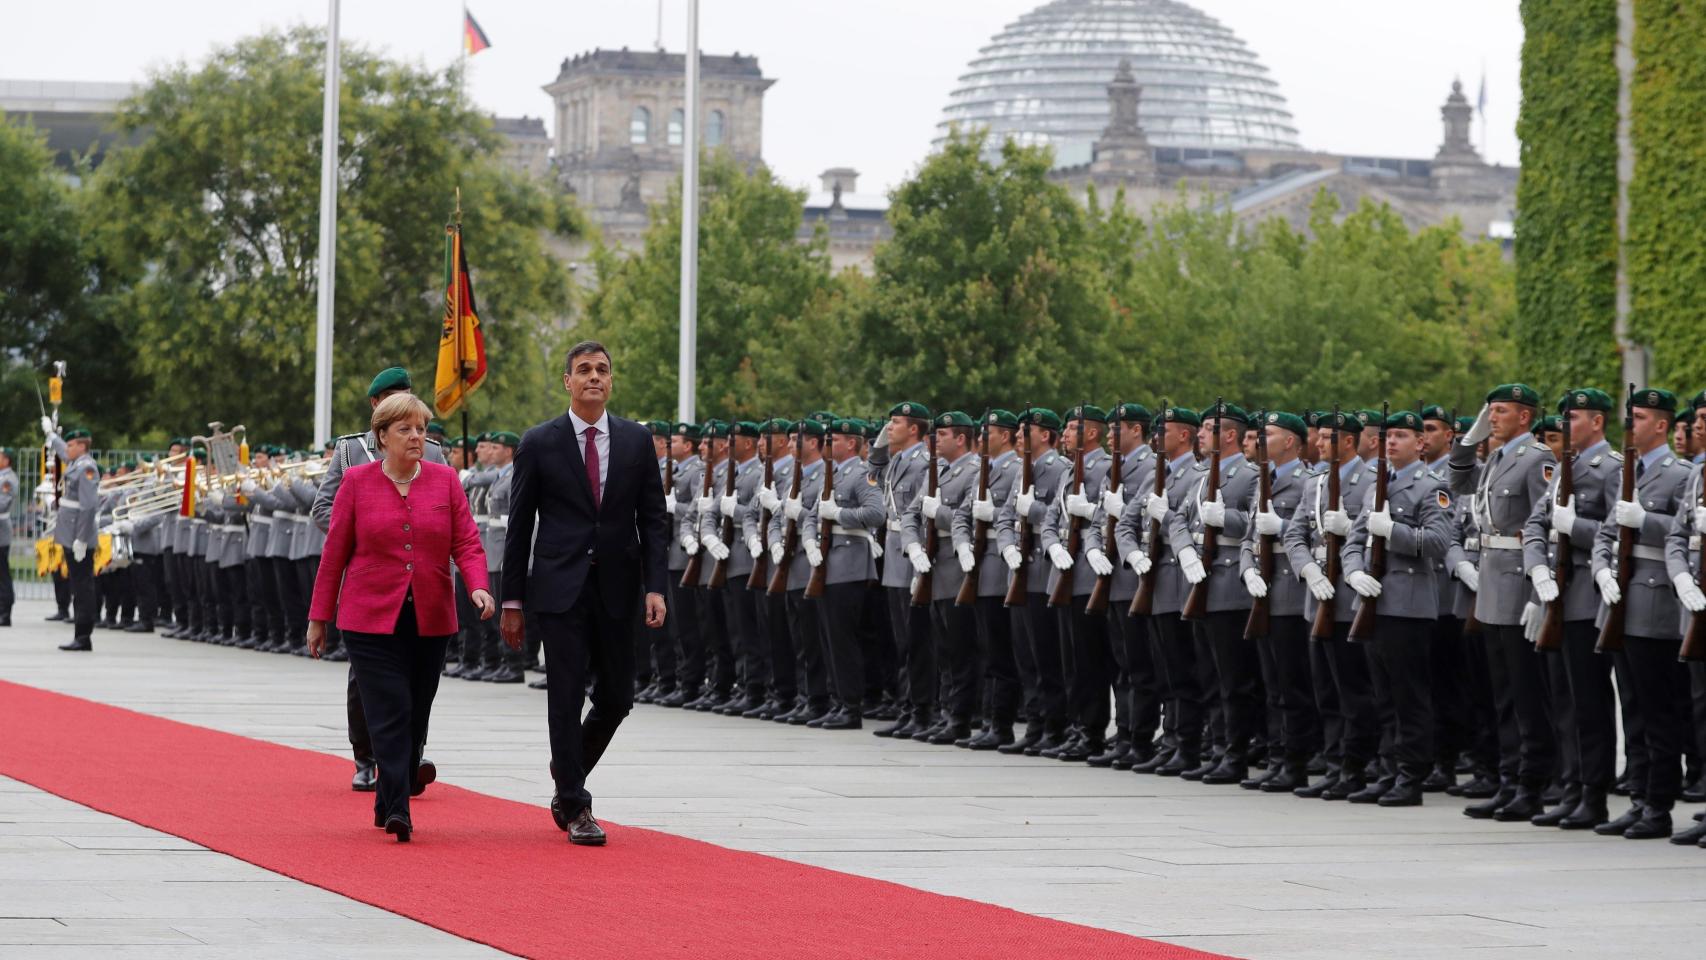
(858, 84)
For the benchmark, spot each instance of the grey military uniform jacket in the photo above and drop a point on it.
(900, 476)
(1305, 542)
(811, 487)
(956, 484)
(1506, 488)
(287, 517)
(1465, 546)
(1421, 529)
(1045, 483)
(689, 476)
(1185, 529)
(992, 574)
(8, 496)
(850, 556)
(754, 521)
(305, 538)
(496, 523)
(1137, 482)
(1056, 520)
(1649, 605)
(79, 502)
(1133, 530)
(148, 534)
(1597, 470)
(1682, 543)
(1285, 589)
(749, 476)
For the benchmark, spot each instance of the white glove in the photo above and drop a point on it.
(930, 505)
(1254, 583)
(1468, 575)
(729, 505)
(792, 507)
(1336, 522)
(1481, 429)
(125, 527)
(1380, 523)
(1364, 584)
(1113, 503)
(1080, 506)
(915, 554)
(776, 553)
(1269, 523)
(1631, 514)
(463, 475)
(1213, 513)
(689, 543)
(968, 562)
(1024, 502)
(1699, 519)
(1098, 561)
(1156, 507)
(1013, 557)
(669, 505)
(79, 550)
(714, 546)
(702, 504)
(1531, 621)
(1319, 586)
(1192, 565)
(754, 546)
(814, 556)
(828, 510)
(249, 487)
(1138, 561)
(47, 427)
(1545, 588)
(1688, 593)
(983, 510)
(768, 499)
(1564, 518)
(1058, 556)
(1609, 591)
(501, 522)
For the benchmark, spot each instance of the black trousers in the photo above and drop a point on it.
(751, 649)
(1237, 670)
(1002, 694)
(85, 600)
(263, 591)
(1347, 665)
(1484, 737)
(877, 646)
(1589, 677)
(809, 651)
(1286, 677)
(1561, 711)
(234, 596)
(662, 650)
(1141, 686)
(292, 599)
(1042, 635)
(398, 676)
(1332, 742)
(689, 641)
(179, 586)
(1526, 747)
(207, 580)
(62, 588)
(585, 642)
(954, 632)
(1025, 662)
(838, 624)
(1661, 690)
(714, 630)
(1635, 759)
(145, 577)
(1448, 654)
(784, 665)
(1090, 682)
(1174, 653)
(910, 627)
(7, 596)
(1399, 660)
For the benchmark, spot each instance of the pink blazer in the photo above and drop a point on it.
(380, 544)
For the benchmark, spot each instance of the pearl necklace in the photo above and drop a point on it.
(411, 479)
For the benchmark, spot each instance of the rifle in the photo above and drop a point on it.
(1062, 595)
(1552, 628)
(922, 583)
(1611, 632)
(1143, 602)
(690, 576)
(1017, 591)
(1260, 623)
(1327, 611)
(1694, 642)
(1196, 605)
(1472, 624)
(980, 528)
(1362, 625)
(1098, 602)
(790, 526)
(720, 572)
(760, 576)
(825, 531)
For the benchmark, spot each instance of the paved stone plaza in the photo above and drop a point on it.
(1216, 868)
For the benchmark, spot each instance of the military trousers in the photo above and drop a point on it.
(911, 629)
(954, 632)
(784, 661)
(1138, 690)
(1286, 679)
(1526, 743)
(1347, 665)
(1174, 653)
(804, 624)
(1001, 692)
(751, 649)
(838, 624)
(1448, 655)
(1090, 679)
(1662, 694)
(1399, 663)
(80, 575)
(1042, 641)
(1588, 675)
(1237, 672)
(689, 644)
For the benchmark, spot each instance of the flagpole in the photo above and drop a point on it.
(689, 335)
(328, 236)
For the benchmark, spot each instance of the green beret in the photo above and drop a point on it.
(462, 443)
(813, 428)
(507, 438)
(687, 430)
(1368, 418)
(1347, 421)
(997, 417)
(1434, 411)
(185, 441)
(910, 408)
(1087, 411)
(1547, 424)
(434, 427)
(76, 433)
(1228, 411)
(715, 429)
(659, 428)
(1287, 421)
(847, 426)
(1698, 401)
(1042, 417)
(822, 416)
(954, 418)
(1179, 415)
(1464, 423)
(1654, 398)
(1514, 393)
(391, 378)
(1405, 420)
(744, 428)
(128, 465)
(777, 425)
(1585, 398)
(873, 429)
(6, 452)
(1130, 413)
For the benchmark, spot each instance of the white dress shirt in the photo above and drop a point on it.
(602, 443)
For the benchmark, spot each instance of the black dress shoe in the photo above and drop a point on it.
(760, 710)
(947, 734)
(141, 626)
(1554, 793)
(807, 714)
(1116, 749)
(1255, 781)
(1049, 744)
(1033, 736)
(925, 732)
(1652, 825)
(1615, 828)
(1314, 791)
(584, 831)
(1177, 765)
(60, 616)
(337, 654)
(79, 644)
(1227, 771)
(1343, 788)
(366, 779)
(1152, 763)
(1439, 780)
(847, 718)
(819, 720)
(425, 772)
(1690, 837)
(1589, 813)
(399, 826)
(1132, 757)
(538, 684)
(1372, 793)
(1486, 808)
(995, 738)
(1202, 770)
(904, 723)
(1081, 750)
(1287, 780)
(558, 814)
(1551, 818)
(1478, 788)
(1405, 795)
(506, 674)
(1523, 806)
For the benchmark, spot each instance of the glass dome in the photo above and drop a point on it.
(1044, 80)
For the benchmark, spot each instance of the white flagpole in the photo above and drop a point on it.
(689, 340)
(328, 237)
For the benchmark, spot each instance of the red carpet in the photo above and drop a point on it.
(497, 871)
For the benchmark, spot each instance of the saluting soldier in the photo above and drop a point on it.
(1464, 561)
(1036, 631)
(1087, 662)
(804, 624)
(1001, 691)
(689, 658)
(1682, 562)
(74, 527)
(900, 461)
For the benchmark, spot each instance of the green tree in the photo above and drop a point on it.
(213, 219)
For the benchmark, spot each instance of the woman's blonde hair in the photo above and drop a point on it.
(398, 406)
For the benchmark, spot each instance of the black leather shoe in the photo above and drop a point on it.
(1314, 791)
(1203, 769)
(1117, 748)
(925, 732)
(79, 644)
(1287, 780)
(1227, 771)
(1523, 806)
(1589, 813)
(141, 626)
(1652, 825)
(1615, 828)
(1153, 763)
(366, 779)
(845, 719)
(60, 616)
(1178, 765)
(1439, 780)
(1408, 795)
(399, 826)
(995, 738)
(819, 720)
(806, 714)
(904, 723)
(425, 772)
(1371, 793)
(760, 710)
(948, 733)
(1132, 757)
(1049, 744)
(1551, 818)
(506, 675)
(1033, 736)
(558, 814)
(1478, 788)
(1255, 781)
(337, 654)
(1690, 837)
(1081, 750)
(1343, 789)
(1553, 794)
(584, 831)
(1486, 808)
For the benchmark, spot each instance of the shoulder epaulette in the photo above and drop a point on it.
(1616, 455)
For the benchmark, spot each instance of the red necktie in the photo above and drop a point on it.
(592, 463)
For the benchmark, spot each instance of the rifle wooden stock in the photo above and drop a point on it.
(1098, 602)
(1616, 614)
(1018, 588)
(825, 533)
(1362, 623)
(1196, 604)
(980, 528)
(923, 584)
(1552, 627)
(1260, 623)
(790, 526)
(1061, 596)
(1143, 601)
(1326, 613)
(759, 578)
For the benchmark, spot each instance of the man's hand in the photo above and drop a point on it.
(1482, 427)
(754, 546)
(768, 499)
(1468, 575)
(1545, 588)
(47, 427)
(669, 505)
(1688, 593)
(1336, 522)
(513, 626)
(1024, 502)
(1213, 513)
(814, 555)
(656, 610)
(776, 552)
(1012, 557)
(1363, 584)
(1060, 557)
(1269, 523)
(930, 505)
(983, 510)
(729, 505)
(79, 550)
(1156, 507)
(1380, 523)
(920, 562)
(1319, 586)
(829, 510)
(1531, 621)
(689, 543)
(968, 560)
(1139, 562)
(1113, 503)
(1080, 506)
(1609, 591)
(716, 548)
(1192, 566)
(703, 505)
(1631, 514)
(1564, 517)
(1254, 584)
(1098, 562)
(792, 508)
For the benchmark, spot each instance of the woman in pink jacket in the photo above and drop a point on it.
(396, 525)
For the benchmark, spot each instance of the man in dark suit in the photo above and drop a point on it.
(587, 529)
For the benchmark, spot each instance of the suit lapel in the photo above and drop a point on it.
(577, 465)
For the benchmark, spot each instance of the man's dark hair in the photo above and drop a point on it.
(583, 348)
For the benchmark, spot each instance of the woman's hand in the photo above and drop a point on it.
(316, 638)
(484, 601)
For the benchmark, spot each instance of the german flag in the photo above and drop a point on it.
(461, 342)
(473, 38)
(186, 505)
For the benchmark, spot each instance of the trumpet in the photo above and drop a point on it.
(143, 475)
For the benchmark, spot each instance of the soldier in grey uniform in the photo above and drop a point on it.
(654, 652)
(953, 627)
(1087, 662)
(229, 584)
(1415, 522)
(899, 461)
(855, 514)
(8, 495)
(1001, 692)
(1580, 678)
(1142, 526)
(267, 617)
(714, 626)
(1284, 652)
(1236, 666)
(750, 652)
(494, 526)
(1506, 489)
(683, 685)
(778, 646)
(147, 536)
(1448, 650)
(74, 527)
(803, 618)
(1463, 558)
(1682, 563)
(296, 525)
(1036, 631)
(1652, 625)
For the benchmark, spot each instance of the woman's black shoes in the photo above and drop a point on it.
(399, 825)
